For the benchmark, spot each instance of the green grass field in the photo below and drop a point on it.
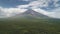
(29, 26)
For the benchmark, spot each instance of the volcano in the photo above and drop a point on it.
(31, 14)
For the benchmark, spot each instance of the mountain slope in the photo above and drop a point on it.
(31, 14)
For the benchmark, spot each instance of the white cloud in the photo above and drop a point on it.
(39, 3)
(44, 3)
(41, 11)
(11, 11)
(22, 6)
(54, 13)
(35, 4)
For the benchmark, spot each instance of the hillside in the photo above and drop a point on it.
(29, 22)
(29, 26)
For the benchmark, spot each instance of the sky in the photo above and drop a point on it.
(50, 8)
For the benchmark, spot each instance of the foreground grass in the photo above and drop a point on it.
(26, 26)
